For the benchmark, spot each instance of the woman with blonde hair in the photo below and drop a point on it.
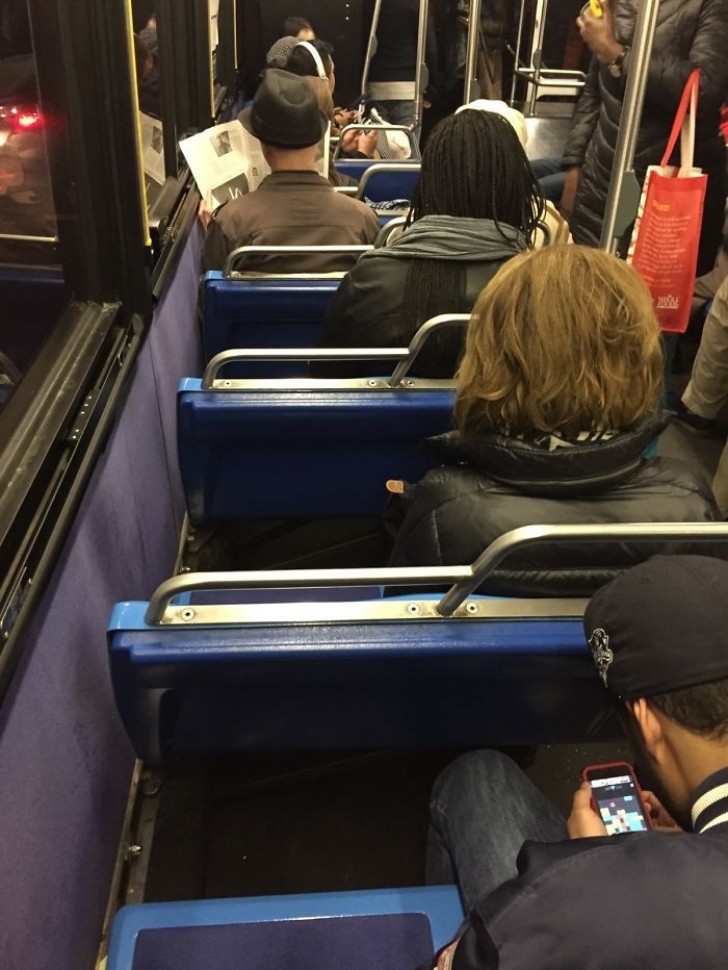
(557, 404)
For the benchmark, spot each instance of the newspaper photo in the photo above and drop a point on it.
(226, 161)
(152, 147)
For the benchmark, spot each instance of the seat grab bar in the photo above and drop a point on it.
(465, 579)
(404, 356)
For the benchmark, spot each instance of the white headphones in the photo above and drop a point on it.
(318, 63)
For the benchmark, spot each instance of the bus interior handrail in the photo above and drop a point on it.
(464, 579)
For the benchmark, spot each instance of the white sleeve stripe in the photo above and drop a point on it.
(716, 794)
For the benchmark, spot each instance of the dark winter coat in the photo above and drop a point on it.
(367, 310)
(493, 484)
(653, 900)
(690, 33)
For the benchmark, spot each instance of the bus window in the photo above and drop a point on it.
(27, 211)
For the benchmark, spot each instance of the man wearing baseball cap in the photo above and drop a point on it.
(548, 893)
(294, 205)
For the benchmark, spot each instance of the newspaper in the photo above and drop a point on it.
(214, 9)
(226, 161)
(152, 147)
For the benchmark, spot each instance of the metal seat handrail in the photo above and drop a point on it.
(242, 251)
(465, 579)
(404, 356)
(379, 168)
(382, 240)
(371, 126)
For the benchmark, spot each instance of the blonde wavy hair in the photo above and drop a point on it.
(561, 340)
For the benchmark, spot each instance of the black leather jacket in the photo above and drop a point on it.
(690, 33)
(494, 484)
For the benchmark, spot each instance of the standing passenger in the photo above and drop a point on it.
(298, 27)
(690, 34)
(394, 66)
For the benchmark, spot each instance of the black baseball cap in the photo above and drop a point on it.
(285, 112)
(661, 626)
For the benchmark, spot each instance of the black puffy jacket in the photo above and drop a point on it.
(690, 33)
(494, 484)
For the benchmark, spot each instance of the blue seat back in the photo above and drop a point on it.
(359, 683)
(288, 454)
(393, 928)
(264, 313)
(385, 183)
(353, 167)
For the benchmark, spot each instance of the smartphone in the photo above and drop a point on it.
(616, 798)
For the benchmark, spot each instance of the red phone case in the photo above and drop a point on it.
(626, 767)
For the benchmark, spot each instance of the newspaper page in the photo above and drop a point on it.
(152, 147)
(214, 9)
(226, 161)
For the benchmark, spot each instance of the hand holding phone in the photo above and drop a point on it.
(616, 798)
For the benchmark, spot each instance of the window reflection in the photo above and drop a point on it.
(213, 7)
(149, 96)
(27, 212)
(32, 291)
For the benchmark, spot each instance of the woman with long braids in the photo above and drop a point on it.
(475, 206)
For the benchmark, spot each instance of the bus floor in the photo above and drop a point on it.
(297, 823)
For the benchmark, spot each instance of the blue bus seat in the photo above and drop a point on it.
(307, 449)
(323, 685)
(396, 929)
(455, 669)
(387, 181)
(264, 312)
(302, 453)
(353, 167)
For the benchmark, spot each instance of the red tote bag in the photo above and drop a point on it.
(666, 236)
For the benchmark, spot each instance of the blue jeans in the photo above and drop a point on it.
(550, 177)
(482, 809)
(398, 112)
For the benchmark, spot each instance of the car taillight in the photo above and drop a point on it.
(20, 119)
(26, 120)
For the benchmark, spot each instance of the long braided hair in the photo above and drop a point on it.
(473, 165)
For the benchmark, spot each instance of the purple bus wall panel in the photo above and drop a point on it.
(65, 762)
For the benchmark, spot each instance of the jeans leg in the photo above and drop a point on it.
(398, 112)
(552, 187)
(482, 809)
(550, 178)
(545, 166)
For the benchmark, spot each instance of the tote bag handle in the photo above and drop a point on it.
(685, 125)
